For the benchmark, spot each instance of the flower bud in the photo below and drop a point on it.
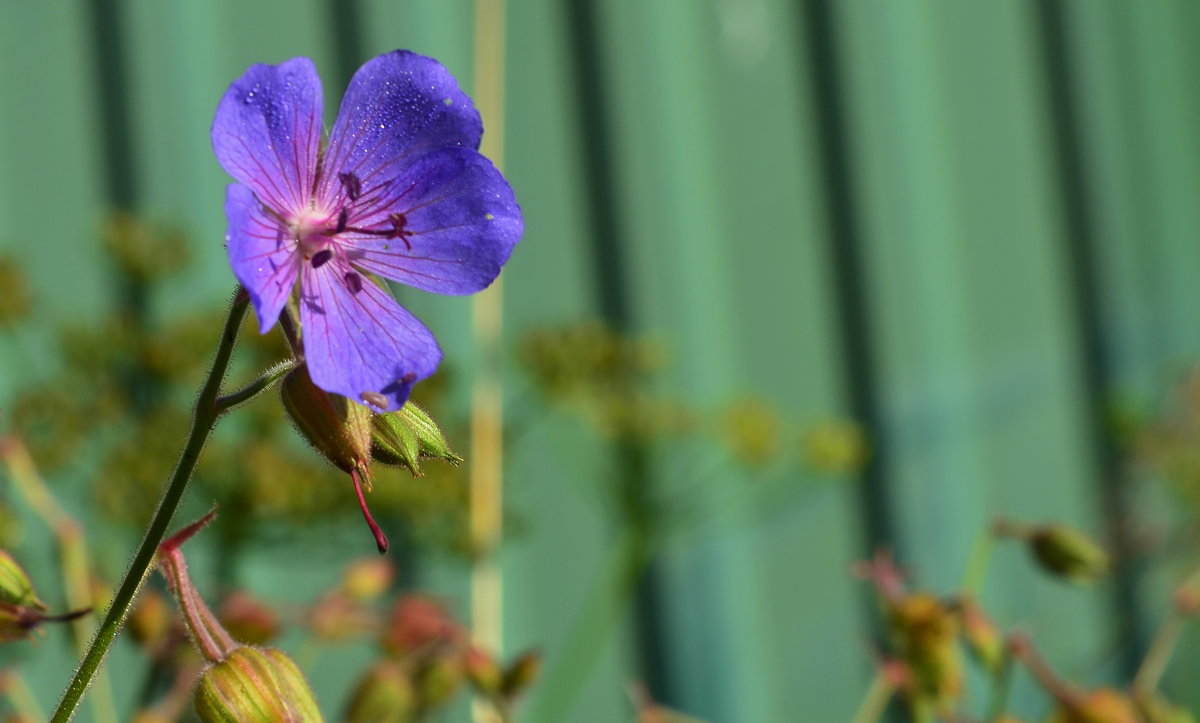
(1103, 705)
(336, 427)
(247, 619)
(1068, 553)
(254, 684)
(151, 620)
(418, 625)
(925, 633)
(15, 587)
(483, 672)
(367, 579)
(403, 437)
(521, 673)
(981, 636)
(438, 679)
(836, 447)
(384, 695)
(752, 429)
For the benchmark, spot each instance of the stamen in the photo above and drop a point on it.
(343, 218)
(375, 398)
(399, 221)
(321, 257)
(353, 282)
(381, 541)
(352, 184)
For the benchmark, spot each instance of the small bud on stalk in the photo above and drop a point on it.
(384, 695)
(20, 609)
(240, 683)
(1068, 553)
(404, 437)
(339, 430)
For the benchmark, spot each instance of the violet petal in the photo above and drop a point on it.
(262, 254)
(397, 105)
(267, 132)
(455, 219)
(358, 339)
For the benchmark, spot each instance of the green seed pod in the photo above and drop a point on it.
(337, 428)
(255, 684)
(384, 695)
(483, 672)
(15, 587)
(403, 437)
(521, 674)
(1068, 553)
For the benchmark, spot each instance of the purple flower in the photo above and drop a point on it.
(398, 191)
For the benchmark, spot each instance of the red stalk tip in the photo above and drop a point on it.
(381, 541)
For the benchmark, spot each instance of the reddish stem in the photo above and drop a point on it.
(381, 540)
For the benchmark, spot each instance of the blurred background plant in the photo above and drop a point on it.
(770, 245)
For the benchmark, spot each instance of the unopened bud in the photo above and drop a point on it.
(403, 437)
(981, 635)
(836, 447)
(248, 619)
(385, 693)
(1068, 553)
(151, 620)
(438, 679)
(336, 427)
(255, 684)
(15, 587)
(521, 673)
(483, 672)
(418, 625)
(368, 578)
(925, 631)
(1103, 705)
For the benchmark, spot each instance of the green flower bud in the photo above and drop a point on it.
(1103, 705)
(384, 695)
(483, 672)
(15, 587)
(403, 437)
(367, 579)
(255, 684)
(438, 679)
(521, 674)
(982, 637)
(337, 428)
(1068, 553)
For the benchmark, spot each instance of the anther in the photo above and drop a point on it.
(321, 257)
(352, 184)
(353, 282)
(399, 222)
(375, 399)
(343, 218)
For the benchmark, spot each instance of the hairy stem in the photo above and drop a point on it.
(203, 418)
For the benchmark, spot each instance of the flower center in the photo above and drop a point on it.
(312, 234)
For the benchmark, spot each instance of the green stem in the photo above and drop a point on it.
(258, 386)
(1155, 662)
(593, 629)
(203, 418)
(875, 701)
(977, 563)
(1001, 687)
